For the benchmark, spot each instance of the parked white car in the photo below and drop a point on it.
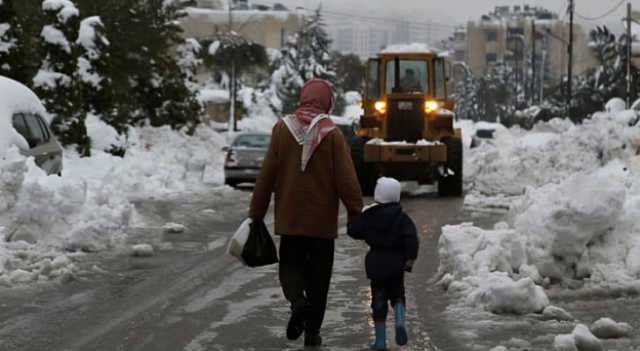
(24, 123)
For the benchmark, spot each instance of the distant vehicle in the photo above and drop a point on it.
(244, 158)
(25, 113)
(407, 129)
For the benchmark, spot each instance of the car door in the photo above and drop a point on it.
(43, 146)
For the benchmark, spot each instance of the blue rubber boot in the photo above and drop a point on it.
(401, 331)
(381, 337)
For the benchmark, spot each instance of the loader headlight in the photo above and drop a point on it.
(431, 106)
(380, 106)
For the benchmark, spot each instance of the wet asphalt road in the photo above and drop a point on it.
(191, 296)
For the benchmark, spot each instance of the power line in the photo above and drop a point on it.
(606, 14)
(371, 19)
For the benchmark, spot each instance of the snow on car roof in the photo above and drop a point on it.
(15, 98)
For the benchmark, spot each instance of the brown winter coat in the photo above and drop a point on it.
(307, 203)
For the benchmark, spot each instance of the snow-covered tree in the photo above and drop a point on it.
(189, 59)
(56, 81)
(305, 55)
(9, 29)
(607, 80)
(496, 92)
(465, 98)
(154, 81)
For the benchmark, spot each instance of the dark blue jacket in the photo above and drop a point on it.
(391, 236)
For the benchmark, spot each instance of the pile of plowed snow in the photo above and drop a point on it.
(572, 224)
(550, 153)
(46, 222)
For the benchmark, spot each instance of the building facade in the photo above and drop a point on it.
(528, 39)
(267, 26)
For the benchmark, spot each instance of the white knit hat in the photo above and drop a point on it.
(387, 190)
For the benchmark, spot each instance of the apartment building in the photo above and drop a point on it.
(267, 26)
(523, 37)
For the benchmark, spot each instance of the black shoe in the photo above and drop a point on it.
(312, 339)
(295, 327)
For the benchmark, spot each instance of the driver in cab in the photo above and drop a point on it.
(409, 82)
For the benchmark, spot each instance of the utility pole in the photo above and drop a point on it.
(570, 68)
(533, 61)
(233, 124)
(629, 40)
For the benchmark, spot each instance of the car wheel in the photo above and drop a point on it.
(231, 182)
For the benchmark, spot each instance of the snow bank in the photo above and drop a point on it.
(44, 218)
(551, 153)
(607, 328)
(103, 136)
(483, 269)
(47, 221)
(158, 162)
(580, 339)
(583, 228)
(572, 221)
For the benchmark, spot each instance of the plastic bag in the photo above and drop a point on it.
(259, 249)
(239, 239)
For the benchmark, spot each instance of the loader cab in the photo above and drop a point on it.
(402, 92)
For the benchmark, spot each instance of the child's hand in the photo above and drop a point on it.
(408, 265)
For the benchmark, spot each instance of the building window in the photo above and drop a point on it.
(516, 31)
(492, 35)
(492, 57)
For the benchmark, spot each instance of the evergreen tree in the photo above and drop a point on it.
(314, 47)
(56, 81)
(92, 67)
(20, 23)
(608, 80)
(147, 83)
(466, 99)
(349, 71)
(189, 59)
(286, 79)
(496, 93)
(9, 32)
(305, 55)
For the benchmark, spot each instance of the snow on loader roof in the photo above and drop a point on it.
(412, 48)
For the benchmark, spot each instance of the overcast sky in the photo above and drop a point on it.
(460, 11)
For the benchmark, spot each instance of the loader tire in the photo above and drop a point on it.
(451, 186)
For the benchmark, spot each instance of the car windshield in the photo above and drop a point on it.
(253, 141)
(413, 76)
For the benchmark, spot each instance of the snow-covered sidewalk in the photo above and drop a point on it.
(47, 221)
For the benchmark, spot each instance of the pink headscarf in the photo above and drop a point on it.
(311, 123)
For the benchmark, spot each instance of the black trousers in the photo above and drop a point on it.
(385, 291)
(306, 265)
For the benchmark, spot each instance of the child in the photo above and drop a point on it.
(393, 241)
